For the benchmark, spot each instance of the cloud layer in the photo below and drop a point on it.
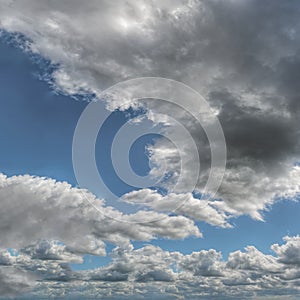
(40, 262)
(152, 272)
(241, 55)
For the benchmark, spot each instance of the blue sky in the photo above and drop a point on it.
(242, 243)
(37, 127)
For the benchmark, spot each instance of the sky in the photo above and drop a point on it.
(66, 236)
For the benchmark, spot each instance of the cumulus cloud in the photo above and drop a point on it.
(253, 259)
(150, 271)
(205, 273)
(41, 261)
(185, 204)
(203, 263)
(149, 263)
(52, 225)
(51, 250)
(288, 253)
(66, 215)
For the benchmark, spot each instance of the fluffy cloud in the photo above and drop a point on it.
(249, 192)
(185, 204)
(203, 263)
(149, 263)
(66, 215)
(288, 253)
(152, 272)
(41, 262)
(253, 259)
(51, 250)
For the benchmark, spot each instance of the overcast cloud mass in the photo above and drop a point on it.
(243, 58)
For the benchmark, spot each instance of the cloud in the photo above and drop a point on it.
(246, 70)
(151, 271)
(66, 215)
(250, 192)
(182, 204)
(14, 282)
(203, 263)
(288, 253)
(253, 259)
(149, 263)
(204, 274)
(51, 250)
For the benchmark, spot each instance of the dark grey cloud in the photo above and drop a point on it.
(15, 282)
(51, 250)
(254, 135)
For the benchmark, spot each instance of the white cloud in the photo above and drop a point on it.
(254, 260)
(203, 263)
(249, 192)
(182, 204)
(288, 253)
(34, 208)
(152, 272)
(51, 250)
